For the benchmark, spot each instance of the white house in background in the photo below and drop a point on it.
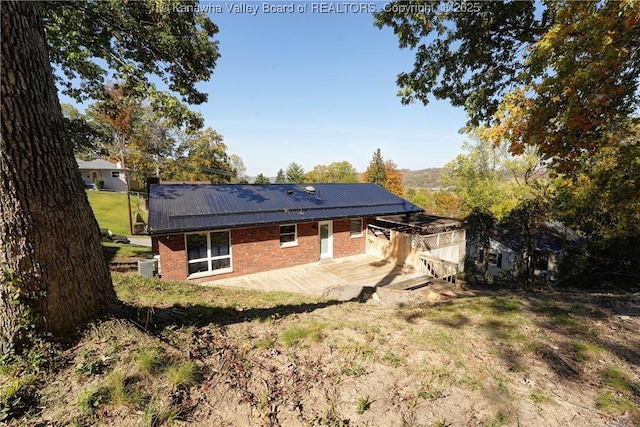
(112, 173)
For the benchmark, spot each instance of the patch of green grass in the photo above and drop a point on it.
(393, 360)
(157, 415)
(500, 419)
(113, 251)
(151, 360)
(585, 350)
(441, 423)
(123, 390)
(91, 398)
(501, 385)
(184, 375)
(614, 405)
(541, 397)
(353, 369)
(295, 335)
(111, 211)
(469, 382)
(362, 404)
(619, 380)
(360, 350)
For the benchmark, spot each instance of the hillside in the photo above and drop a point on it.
(210, 356)
(422, 178)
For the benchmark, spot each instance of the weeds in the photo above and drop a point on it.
(619, 380)
(151, 360)
(362, 404)
(184, 375)
(297, 334)
(614, 404)
(393, 360)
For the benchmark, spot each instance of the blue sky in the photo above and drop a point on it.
(314, 88)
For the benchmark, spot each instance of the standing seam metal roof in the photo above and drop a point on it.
(175, 208)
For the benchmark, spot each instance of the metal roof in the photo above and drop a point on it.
(175, 208)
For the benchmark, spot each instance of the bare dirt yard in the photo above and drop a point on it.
(206, 356)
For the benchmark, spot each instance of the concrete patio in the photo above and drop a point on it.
(317, 278)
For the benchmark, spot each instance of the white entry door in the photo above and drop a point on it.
(325, 230)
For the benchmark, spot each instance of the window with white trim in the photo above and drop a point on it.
(288, 235)
(115, 174)
(209, 252)
(356, 227)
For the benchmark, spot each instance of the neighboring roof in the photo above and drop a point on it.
(97, 164)
(187, 207)
(551, 236)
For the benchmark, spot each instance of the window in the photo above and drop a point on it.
(356, 227)
(288, 235)
(492, 259)
(115, 174)
(209, 252)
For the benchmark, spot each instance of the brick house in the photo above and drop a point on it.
(210, 231)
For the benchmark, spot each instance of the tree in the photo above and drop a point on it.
(54, 274)
(335, 172)
(201, 156)
(135, 40)
(281, 177)
(261, 179)
(393, 178)
(376, 171)
(295, 173)
(562, 76)
(490, 180)
(239, 170)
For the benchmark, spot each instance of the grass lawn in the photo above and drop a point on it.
(110, 209)
(114, 252)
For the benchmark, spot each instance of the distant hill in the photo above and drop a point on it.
(423, 178)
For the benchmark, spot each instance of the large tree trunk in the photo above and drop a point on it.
(48, 234)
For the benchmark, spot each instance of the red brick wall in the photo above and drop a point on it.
(258, 249)
(343, 243)
(173, 257)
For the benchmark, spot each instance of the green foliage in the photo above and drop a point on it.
(294, 173)
(612, 262)
(376, 171)
(261, 179)
(91, 398)
(561, 76)
(281, 177)
(134, 41)
(334, 172)
(200, 156)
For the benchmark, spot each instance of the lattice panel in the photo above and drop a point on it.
(432, 241)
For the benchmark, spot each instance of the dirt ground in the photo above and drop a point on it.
(482, 358)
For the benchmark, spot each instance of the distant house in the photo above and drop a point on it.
(506, 247)
(112, 174)
(211, 231)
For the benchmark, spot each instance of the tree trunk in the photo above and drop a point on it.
(48, 234)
